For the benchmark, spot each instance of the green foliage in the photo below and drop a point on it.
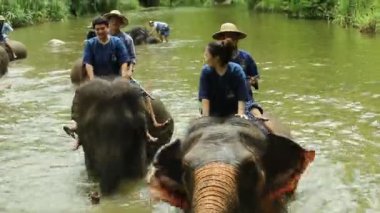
(26, 12)
(364, 14)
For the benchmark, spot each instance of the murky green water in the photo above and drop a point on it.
(320, 79)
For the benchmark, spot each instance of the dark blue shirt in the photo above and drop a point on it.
(105, 58)
(224, 92)
(245, 60)
(128, 42)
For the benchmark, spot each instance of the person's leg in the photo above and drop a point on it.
(10, 49)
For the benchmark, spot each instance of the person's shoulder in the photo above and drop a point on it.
(206, 69)
(235, 68)
(127, 36)
(244, 53)
(91, 41)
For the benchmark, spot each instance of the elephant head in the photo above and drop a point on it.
(112, 131)
(227, 166)
(112, 124)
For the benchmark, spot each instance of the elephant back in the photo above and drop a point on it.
(164, 134)
(78, 73)
(4, 61)
(19, 49)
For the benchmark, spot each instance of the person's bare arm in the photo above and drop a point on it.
(125, 71)
(90, 71)
(205, 107)
(241, 108)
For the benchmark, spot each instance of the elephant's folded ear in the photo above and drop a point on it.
(284, 162)
(165, 177)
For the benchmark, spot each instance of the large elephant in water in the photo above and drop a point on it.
(112, 123)
(140, 35)
(6, 55)
(227, 165)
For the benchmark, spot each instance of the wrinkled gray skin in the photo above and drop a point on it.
(241, 168)
(4, 61)
(140, 35)
(111, 118)
(6, 56)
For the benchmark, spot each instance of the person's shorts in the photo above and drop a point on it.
(165, 31)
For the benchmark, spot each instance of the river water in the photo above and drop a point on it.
(321, 80)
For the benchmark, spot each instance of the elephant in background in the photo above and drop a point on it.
(140, 35)
(112, 123)
(6, 55)
(228, 165)
(4, 61)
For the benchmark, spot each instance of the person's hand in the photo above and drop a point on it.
(241, 116)
(253, 80)
(128, 74)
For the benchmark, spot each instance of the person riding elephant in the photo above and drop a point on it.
(241, 57)
(112, 125)
(228, 165)
(223, 89)
(5, 29)
(107, 56)
(116, 21)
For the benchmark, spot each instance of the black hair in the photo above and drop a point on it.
(99, 21)
(224, 49)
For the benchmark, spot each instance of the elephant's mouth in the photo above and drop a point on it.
(165, 189)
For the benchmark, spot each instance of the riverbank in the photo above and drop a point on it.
(22, 13)
(361, 14)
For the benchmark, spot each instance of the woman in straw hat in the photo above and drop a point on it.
(244, 59)
(5, 29)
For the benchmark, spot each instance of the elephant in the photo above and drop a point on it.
(112, 121)
(6, 55)
(140, 35)
(228, 165)
(78, 72)
(19, 49)
(4, 61)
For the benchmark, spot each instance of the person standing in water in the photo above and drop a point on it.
(162, 29)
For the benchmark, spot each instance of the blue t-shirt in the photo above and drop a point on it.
(6, 29)
(245, 60)
(128, 42)
(105, 58)
(224, 92)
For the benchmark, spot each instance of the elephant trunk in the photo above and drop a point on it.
(215, 189)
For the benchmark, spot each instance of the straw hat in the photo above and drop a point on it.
(124, 20)
(230, 28)
(2, 18)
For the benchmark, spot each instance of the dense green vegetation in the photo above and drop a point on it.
(28, 12)
(363, 14)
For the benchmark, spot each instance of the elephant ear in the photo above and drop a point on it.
(284, 162)
(165, 176)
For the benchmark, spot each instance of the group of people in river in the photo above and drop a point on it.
(226, 81)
